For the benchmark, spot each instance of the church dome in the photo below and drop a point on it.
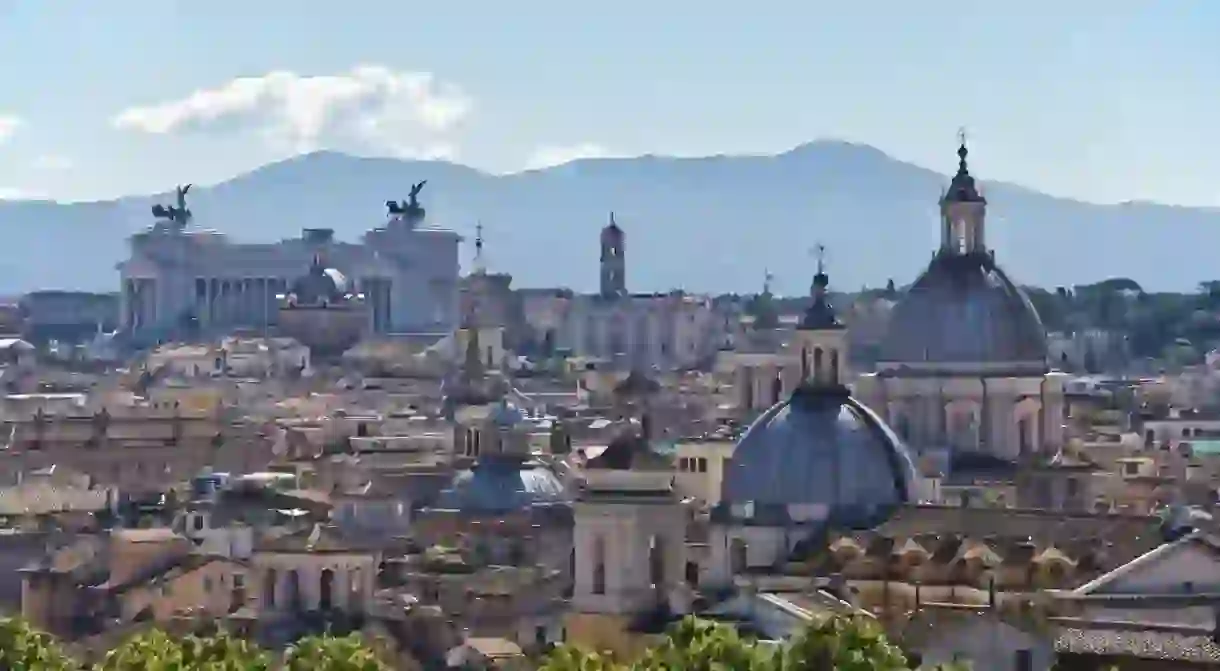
(499, 486)
(964, 309)
(821, 447)
(319, 285)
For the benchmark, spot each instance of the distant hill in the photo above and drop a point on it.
(707, 224)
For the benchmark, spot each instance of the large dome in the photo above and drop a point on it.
(319, 285)
(964, 310)
(825, 448)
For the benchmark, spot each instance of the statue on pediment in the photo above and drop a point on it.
(409, 208)
(176, 216)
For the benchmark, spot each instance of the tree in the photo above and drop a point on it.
(700, 645)
(838, 642)
(23, 648)
(844, 644)
(158, 651)
(333, 653)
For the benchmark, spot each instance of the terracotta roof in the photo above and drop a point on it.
(1137, 639)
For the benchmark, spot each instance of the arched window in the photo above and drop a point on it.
(269, 580)
(1024, 439)
(777, 388)
(599, 566)
(326, 589)
(355, 590)
(817, 363)
(804, 363)
(294, 590)
(834, 365)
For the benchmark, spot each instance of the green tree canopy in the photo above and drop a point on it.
(23, 648)
(332, 653)
(832, 643)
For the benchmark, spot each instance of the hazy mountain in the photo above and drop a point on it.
(709, 224)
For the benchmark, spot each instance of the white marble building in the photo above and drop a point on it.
(407, 270)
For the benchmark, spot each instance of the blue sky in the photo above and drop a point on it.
(1104, 101)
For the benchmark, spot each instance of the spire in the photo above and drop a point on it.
(612, 225)
(762, 306)
(479, 265)
(963, 189)
(820, 314)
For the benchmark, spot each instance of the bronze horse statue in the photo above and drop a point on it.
(179, 213)
(411, 205)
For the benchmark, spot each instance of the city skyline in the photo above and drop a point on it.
(1105, 103)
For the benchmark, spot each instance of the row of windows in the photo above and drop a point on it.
(693, 464)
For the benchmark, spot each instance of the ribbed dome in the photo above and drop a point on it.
(963, 309)
(821, 447)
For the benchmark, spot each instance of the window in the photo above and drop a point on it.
(702, 463)
(1131, 468)
(656, 561)
(207, 584)
(599, 566)
(197, 521)
(738, 557)
(1024, 660)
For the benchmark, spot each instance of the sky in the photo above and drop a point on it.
(1099, 100)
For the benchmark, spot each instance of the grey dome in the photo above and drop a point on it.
(497, 486)
(319, 285)
(964, 309)
(821, 446)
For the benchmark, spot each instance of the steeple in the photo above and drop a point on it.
(613, 261)
(480, 266)
(821, 314)
(762, 307)
(963, 210)
(472, 362)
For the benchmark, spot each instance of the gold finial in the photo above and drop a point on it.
(961, 135)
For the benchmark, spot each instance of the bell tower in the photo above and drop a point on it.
(613, 261)
(963, 211)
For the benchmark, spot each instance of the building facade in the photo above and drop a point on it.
(654, 330)
(180, 278)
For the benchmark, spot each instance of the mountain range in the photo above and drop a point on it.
(714, 224)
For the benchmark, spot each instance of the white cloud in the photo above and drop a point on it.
(9, 124)
(372, 106)
(550, 156)
(52, 162)
(9, 193)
